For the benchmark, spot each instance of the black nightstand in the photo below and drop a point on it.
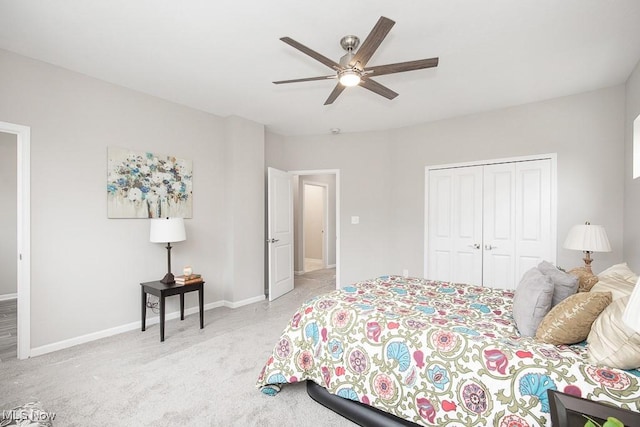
(162, 291)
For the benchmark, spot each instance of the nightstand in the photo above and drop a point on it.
(162, 290)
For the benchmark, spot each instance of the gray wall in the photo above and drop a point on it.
(73, 119)
(8, 214)
(631, 186)
(365, 187)
(382, 174)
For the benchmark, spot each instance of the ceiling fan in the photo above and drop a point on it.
(352, 69)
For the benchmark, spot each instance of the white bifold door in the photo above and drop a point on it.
(488, 224)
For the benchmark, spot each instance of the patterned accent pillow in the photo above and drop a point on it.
(611, 342)
(30, 414)
(570, 321)
(532, 301)
(586, 279)
(564, 284)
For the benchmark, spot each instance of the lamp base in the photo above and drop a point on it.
(168, 279)
(587, 261)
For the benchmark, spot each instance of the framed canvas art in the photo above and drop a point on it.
(148, 185)
(572, 411)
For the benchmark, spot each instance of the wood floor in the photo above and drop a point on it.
(8, 329)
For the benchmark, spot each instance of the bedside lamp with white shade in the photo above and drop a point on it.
(167, 230)
(587, 238)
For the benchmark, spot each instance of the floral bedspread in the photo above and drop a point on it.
(435, 353)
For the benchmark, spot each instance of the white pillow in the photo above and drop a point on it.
(621, 269)
(611, 342)
(617, 279)
(617, 285)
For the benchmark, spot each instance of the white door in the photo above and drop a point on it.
(533, 239)
(280, 236)
(499, 225)
(455, 225)
(504, 209)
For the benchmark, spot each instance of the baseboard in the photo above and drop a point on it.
(48, 348)
(247, 301)
(331, 266)
(7, 297)
(60, 345)
(298, 273)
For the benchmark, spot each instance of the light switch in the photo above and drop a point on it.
(355, 220)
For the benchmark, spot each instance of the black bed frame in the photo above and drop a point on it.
(361, 414)
(563, 408)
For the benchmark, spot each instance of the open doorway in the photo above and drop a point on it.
(314, 222)
(20, 253)
(8, 245)
(316, 200)
(284, 255)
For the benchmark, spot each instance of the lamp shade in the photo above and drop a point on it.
(165, 230)
(587, 237)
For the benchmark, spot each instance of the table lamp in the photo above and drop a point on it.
(167, 230)
(587, 238)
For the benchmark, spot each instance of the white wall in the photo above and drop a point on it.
(8, 214)
(382, 174)
(244, 204)
(73, 119)
(631, 186)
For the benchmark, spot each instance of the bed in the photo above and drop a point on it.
(435, 353)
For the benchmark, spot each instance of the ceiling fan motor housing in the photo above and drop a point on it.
(350, 43)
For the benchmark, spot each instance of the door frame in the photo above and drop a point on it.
(335, 172)
(23, 252)
(325, 219)
(553, 157)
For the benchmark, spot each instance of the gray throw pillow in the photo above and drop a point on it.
(532, 301)
(564, 284)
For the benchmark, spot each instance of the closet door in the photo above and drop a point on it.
(499, 225)
(534, 241)
(517, 220)
(489, 224)
(455, 225)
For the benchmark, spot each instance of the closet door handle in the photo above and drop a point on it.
(475, 246)
(272, 240)
(489, 247)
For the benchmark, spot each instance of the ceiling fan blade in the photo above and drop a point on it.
(376, 87)
(372, 42)
(336, 92)
(312, 53)
(308, 79)
(379, 70)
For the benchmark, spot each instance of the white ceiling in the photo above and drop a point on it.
(221, 56)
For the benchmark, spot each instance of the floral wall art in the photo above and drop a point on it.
(148, 185)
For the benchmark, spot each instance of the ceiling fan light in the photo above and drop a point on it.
(349, 78)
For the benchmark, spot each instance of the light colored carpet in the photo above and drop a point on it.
(196, 377)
